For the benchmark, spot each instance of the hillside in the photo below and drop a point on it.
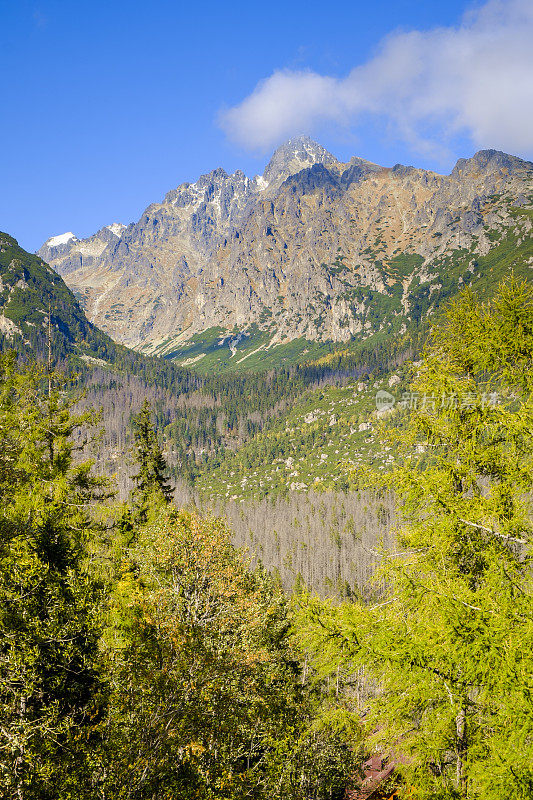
(238, 274)
(30, 291)
(322, 443)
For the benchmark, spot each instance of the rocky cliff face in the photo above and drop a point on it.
(313, 248)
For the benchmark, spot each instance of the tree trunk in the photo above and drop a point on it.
(20, 760)
(460, 726)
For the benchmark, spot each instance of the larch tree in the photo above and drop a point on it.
(450, 643)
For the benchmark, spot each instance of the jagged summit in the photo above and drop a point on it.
(117, 228)
(290, 158)
(315, 249)
(491, 161)
(295, 155)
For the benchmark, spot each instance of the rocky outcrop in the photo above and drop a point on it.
(313, 248)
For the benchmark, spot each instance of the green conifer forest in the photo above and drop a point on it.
(151, 649)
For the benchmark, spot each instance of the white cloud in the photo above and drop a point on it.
(476, 78)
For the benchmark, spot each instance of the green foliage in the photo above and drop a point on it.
(151, 483)
(203, 683)
(451, 641)
(49, 681)
(327, 756)
(183, 684)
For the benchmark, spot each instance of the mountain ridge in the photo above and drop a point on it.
(315, 250)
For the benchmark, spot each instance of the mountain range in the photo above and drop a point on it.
(337, 266)
(231, 269)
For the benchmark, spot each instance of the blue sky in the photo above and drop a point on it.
(108, 105)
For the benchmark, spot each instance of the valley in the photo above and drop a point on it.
(266, 400)
(284, 442)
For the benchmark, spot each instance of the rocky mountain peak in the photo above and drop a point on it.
(57, 246)
(295, 155)
(207, 187)
(315, 249)
(490, 161)
(117, 228)
(215, 177)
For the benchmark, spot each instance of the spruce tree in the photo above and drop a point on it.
(151, 483)
(49, 676)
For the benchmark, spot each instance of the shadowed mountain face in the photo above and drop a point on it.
(314, 250)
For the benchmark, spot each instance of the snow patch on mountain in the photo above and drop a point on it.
(63, 238)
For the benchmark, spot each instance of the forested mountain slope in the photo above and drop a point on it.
(322, 442)
(31, 293)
